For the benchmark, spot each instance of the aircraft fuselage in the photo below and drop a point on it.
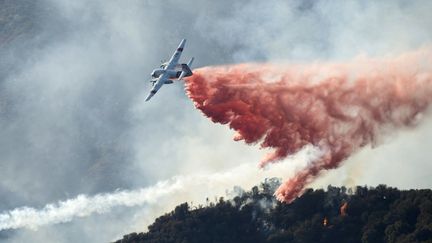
(170, 71)
(171, 74)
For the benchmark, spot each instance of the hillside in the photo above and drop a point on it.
(381, 214)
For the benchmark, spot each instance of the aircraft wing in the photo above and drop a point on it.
(156, 86)
(150, 95)
(176, 56)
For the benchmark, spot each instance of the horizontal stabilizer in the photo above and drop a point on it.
(186, 69)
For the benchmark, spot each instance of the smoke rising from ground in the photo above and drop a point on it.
(169, 192)
(338, 107)
(73, 82)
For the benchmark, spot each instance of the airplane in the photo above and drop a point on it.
(170, 71)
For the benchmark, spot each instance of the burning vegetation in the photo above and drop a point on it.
(343, 209)
(325, 221)
(368, 215)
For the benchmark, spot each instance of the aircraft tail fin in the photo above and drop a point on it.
(190, 62)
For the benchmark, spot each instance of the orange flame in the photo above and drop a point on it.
(343, 209)
(325, 222)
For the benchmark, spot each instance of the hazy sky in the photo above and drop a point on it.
(73, 81)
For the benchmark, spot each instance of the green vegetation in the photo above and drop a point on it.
(371, 215)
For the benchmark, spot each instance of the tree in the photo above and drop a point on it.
(381, 214)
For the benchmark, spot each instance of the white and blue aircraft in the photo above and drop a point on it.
(170, 71)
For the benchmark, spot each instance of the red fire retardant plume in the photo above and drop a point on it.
(338, 107)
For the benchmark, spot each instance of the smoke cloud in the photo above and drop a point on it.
(73, 120)
(212, 185)
(338, 107)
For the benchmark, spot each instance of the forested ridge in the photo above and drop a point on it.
(362, 214)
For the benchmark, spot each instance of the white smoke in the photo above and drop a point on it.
(174, 190)
(73, 93)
